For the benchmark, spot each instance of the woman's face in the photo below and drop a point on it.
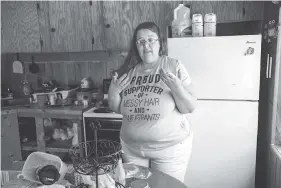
(148, 45)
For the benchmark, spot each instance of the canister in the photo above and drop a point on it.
(197, 25)
(210, 21)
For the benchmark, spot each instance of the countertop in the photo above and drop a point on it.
(31, 110)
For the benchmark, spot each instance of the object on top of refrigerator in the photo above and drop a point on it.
(181, 25)
(210, 21)
(197, 25)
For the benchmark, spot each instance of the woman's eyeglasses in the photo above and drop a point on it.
(149, 41)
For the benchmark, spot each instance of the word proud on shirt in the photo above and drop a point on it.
(140, 99)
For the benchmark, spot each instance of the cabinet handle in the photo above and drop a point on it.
(267, 65)
(270, 67)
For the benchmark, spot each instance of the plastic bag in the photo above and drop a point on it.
(138, 172)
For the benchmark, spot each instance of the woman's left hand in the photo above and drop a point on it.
(171, 80)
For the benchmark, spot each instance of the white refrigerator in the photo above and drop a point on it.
(225, 71)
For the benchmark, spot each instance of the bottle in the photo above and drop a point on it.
(181, 25)
(197, 25)
(210, 21)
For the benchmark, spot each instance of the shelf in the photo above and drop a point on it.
(54, 146)
(29, 146)
(59, 146)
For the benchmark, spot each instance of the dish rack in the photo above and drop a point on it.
(96, 157)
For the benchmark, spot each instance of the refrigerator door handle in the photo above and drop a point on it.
(270, 67)
(267, 65)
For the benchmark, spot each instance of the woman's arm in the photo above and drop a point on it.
(181, 88)
(114, 101)
(115, 88)
(184, 97)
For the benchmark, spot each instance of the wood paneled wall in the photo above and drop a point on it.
(114, 23)
(62, 67)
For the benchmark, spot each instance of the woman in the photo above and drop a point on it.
(153, 93)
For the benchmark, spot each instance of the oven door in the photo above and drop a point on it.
(109, 128)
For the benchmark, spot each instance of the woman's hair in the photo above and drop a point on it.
(133, 57)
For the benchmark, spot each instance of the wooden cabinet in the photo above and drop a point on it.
(69, 28)
(19, 27)
(76, 26)
(118, 28)
(122, 17)
(10, 139)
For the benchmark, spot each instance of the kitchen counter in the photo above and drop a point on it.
(60, 112)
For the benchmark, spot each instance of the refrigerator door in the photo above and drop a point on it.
(226, 67)
(224, 146)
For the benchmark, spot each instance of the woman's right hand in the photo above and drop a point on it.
(117, 85)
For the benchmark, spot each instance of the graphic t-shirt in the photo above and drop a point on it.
(151, 119)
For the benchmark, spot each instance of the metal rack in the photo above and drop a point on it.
(96, 157)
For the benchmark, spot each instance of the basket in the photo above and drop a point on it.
(99, 156)
(37, 160)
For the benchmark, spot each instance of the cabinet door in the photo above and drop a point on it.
(20, 27)
(118, 17)
(270, 47)
(70, 27)
(10, 139)
(97, 25)
(251, 10)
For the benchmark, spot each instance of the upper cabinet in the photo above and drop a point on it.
(19, 27)
(69, 28)
(118, 19)
(75, 26)
(122, 17)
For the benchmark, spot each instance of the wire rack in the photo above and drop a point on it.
(99, 156)
(96, 157)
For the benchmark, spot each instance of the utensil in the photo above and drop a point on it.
(33, 68)
(18, 65)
